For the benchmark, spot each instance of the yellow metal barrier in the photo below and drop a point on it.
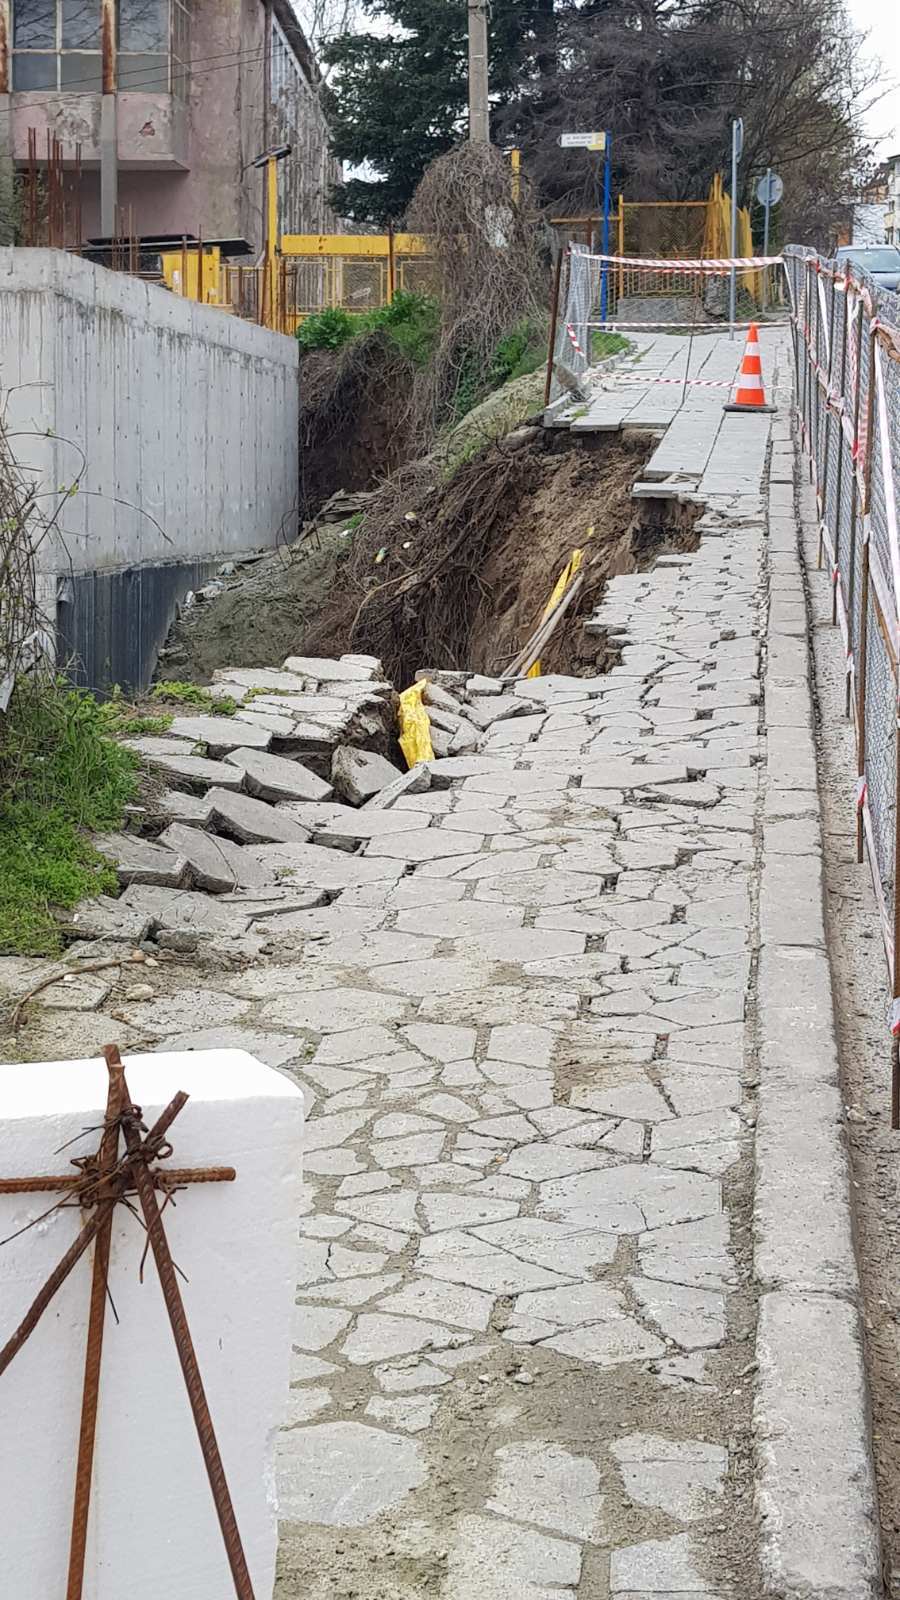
(194, 271)
(663, 230)
(355, 272)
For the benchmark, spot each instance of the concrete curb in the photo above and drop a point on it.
(815, 1477)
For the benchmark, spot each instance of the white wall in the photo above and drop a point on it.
(152, 1530)
(185, 413)
(869, 223)
(179, 424)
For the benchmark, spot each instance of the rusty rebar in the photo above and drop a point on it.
(78, 1246)
(31, 232)
(183, 1343)
(81, 1504)
(168, 1178)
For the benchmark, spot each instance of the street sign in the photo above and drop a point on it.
(769, 189)
(582, 141)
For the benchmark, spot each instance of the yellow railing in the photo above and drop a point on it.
(665, 229)
(310, 273)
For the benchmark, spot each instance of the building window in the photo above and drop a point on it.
(142, 61)
(287, 79)
(181, 48)
(56, 45)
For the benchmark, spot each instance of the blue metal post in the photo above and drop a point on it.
(607, 194)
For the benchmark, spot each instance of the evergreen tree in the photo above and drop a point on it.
(665, 76)
(397, 100)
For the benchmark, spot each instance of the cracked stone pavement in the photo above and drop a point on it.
(524, 1320)
(524, 1324)
(522, 1314)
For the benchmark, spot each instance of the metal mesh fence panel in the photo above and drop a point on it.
(579, 296)
(847, 343)
(880, 754)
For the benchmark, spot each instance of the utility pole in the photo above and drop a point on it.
(109, 125)
(479, 111)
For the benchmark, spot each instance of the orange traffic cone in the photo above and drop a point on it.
(751, 396)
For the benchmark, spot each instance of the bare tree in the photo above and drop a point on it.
(323, 21)
(667, 76)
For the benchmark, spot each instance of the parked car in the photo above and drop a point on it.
(881, 262)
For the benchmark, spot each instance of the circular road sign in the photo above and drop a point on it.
(775, 187)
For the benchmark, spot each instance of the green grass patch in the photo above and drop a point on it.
(519, 353)
(62, 775)
(605, 344)
(122, 720)
(192, 694)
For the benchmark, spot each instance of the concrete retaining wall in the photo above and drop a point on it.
(179, 424)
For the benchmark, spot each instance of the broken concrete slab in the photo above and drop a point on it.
(416, 781)
(351, 829)
(220, 734)
(138, 860)
(359, 774)
(325, 669)
(326, 869)
(209, 866)
(194, 772)
(105, 918)
(269, 777)
(253, 821)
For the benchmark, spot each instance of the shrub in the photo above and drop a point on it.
(328, 330)
(61, 776)
(411, 321)
(518, 353)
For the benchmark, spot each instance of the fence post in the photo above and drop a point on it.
(864, 600)
(825, 411)
(554, 318)
(620, 234)
(854, 485)
(841, 446)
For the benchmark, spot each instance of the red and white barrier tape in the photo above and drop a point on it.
(895, 1016)
(574, 342)
(688, 264)
(670, 327)
(697, 383)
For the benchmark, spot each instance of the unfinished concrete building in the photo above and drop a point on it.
(170, 101)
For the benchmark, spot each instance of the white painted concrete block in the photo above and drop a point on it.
(153, 1527)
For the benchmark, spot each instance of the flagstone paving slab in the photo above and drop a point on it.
(524, 1333)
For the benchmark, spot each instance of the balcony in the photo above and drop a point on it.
(56, 74)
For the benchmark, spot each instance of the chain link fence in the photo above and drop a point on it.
(577, 294)
(846, 334)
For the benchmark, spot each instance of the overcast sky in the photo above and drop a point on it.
(881, 20)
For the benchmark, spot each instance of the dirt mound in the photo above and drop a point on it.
(457, 574)
(262, 613)
(426, 572)
(354, 418)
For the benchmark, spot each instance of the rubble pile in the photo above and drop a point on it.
(270, 812)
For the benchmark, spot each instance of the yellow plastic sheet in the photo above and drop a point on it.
(562, 584)
(415, 726)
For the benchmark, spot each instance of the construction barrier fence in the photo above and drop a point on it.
(846, 335)
(643, 231)
(673, 294)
